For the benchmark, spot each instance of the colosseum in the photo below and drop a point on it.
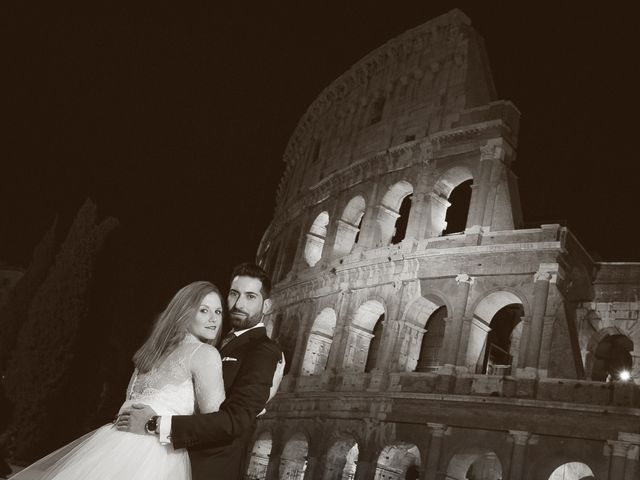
(429, 334)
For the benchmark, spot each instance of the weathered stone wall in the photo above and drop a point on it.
(508, 323)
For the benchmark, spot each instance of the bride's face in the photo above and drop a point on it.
(207, 322)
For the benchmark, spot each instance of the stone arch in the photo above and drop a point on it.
(259, 456)
(349, 226)
(341, 458)
(398, 462)
(362, 335)
(315, 239)
(608, 353)
(293, 461)
(487, 309)
(572, 471)
(416, 318)
(319, 343)
(442, 189)
(389, 212)
(480, 463)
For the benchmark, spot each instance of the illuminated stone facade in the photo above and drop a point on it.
(418, 349)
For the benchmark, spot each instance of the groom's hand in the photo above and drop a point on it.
(134, 418)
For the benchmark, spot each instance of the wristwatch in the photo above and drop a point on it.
(152, 425)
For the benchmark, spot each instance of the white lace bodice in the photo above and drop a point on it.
(189, 379)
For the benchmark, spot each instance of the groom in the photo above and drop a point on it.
(218, 442)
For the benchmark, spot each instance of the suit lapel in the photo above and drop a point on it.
(243, 339)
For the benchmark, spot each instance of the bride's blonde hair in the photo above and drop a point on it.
(171, 326)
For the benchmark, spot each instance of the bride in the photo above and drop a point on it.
(177, 372)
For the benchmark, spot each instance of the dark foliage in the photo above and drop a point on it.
(39, 374)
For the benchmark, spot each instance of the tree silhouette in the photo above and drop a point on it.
(38, 379)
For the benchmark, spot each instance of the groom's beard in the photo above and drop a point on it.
(241, 320)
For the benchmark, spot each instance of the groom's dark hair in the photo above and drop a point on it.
(253, 270)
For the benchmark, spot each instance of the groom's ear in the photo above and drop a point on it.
(266, 306)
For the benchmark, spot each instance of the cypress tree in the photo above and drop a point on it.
(13, 314)
(39, 370)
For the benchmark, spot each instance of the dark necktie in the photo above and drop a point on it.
(227, 338)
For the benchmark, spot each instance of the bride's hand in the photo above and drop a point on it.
(133, 419)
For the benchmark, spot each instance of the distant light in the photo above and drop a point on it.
(624, 375)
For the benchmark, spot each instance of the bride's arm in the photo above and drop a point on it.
(206, 371)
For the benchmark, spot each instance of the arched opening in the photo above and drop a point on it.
(374, 346)
(377, 107)
(612, 359)
(432, 340)
(259, 458)
(498, 359)
(398, 462)
(441, 201)
(403, 220)
(315, 239)
(349, 226)
(475, 465)
(293, 461)
(341, 460)
(319, 343)
(572, 471)
(501, 346)
(361, 332)
(393, 213)
(459, 199)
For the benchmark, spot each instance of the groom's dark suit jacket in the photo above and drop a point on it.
(218, 441)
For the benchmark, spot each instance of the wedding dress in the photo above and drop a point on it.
(189, 379)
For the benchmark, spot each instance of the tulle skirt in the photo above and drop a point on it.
(109, 454)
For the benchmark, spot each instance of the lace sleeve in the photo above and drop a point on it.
(206, 369)
(132, 383)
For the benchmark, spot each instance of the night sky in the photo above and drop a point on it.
(175, 119)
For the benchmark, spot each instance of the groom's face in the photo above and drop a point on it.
(245, 302)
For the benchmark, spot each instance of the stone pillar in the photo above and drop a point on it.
(366, 464)
(518, 453)
(538, 310)
(632, 465)
(310, 471)
(273, 468)
(386, 221)
(435, 208)
(481, 206)
(430, 470)
(366, 239)
(453, 328)
(618, 458)
(415, 225)
(341, 335)
(302, 338)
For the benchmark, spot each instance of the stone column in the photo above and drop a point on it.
(632, 466)
(435, 208)
(453, 328)
(481, 207)
(618, 458)
(310, 471)
(416, 225)
(273, 468)
(343, 320)
(430, 471)
(301, 341)
(538, 310)
(518, 453)
(366, 464)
